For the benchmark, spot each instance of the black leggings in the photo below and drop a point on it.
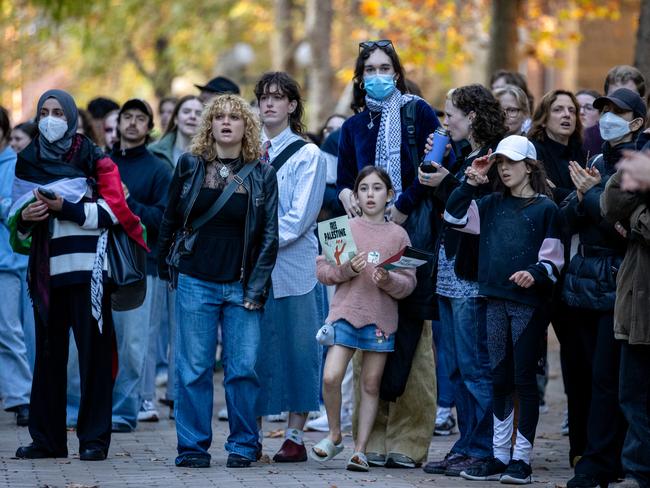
(516, 332)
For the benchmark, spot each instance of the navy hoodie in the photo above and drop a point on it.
(516, 234)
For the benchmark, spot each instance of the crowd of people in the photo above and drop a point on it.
(531, 214)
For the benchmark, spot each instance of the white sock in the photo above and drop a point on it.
(502, 437)
(523, 449)
(294, 435)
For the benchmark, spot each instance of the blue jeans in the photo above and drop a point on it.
(465, 338)
(16, 340)
(132, 337)
(157, 315)
(634, 394)
(446, 390)
(200, 307)
(74, 384)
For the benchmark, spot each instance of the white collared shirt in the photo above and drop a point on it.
(301, 185)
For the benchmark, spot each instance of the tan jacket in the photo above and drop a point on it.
(632, 309)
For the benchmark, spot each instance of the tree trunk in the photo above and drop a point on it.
(318, 26)
(503, 35)
(282, 45)
(642, 50)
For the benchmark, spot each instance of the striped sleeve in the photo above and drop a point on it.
(88, 215)
(551, 252)
(462, 211)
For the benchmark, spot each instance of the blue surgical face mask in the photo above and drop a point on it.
(379, 87)
(613, 127)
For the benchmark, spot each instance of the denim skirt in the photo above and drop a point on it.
(288, 364)
(366, 338)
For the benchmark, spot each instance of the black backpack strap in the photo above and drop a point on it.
(408, 116)
(286, 153)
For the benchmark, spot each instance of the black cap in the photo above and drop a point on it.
(220, 85)
(138, 104)
(625, 99)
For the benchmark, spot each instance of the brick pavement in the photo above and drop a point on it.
(146, 458)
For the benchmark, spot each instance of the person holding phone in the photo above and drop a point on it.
(61, 221)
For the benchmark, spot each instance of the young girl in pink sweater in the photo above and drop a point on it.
(363, 312)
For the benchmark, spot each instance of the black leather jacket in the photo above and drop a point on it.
(261, 237)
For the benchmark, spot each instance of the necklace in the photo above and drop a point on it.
(224, 170)
(371, 124)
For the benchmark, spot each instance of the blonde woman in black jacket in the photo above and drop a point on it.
(224, 279)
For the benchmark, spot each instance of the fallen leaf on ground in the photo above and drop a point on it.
(265, 459)
(157, 459)
(273, 434)
(123, 454)
(273, 471)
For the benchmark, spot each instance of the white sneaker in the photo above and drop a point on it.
(161, 379)
(322, 425)
(282, 417)
(148, 412)
(319, 425)
(223, 414)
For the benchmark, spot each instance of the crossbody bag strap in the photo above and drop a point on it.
(237, 180)
(408, 115)
(286, 153)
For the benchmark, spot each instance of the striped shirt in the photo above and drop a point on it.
(73, 240)
(301, 184)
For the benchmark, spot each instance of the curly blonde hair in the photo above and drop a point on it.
(203, 143)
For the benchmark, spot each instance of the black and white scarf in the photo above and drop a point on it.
(389, 139)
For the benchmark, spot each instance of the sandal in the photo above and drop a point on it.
(328, 447)
(357, 462)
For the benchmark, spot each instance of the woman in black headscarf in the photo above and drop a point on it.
(67, 194)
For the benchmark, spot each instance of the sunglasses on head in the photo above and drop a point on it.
(371, 44)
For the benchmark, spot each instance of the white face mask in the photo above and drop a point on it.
(613, 127)
(52, 128)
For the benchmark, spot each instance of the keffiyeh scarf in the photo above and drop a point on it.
(389, 139)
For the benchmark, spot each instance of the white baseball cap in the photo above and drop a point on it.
(516, 148)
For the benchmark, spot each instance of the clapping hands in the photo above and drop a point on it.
(584, 179)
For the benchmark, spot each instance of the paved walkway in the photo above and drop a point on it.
(146, 458)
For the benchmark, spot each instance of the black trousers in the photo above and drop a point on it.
(70, 307)
(596, 423)
(516, 373)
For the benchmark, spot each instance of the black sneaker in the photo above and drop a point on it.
(517, 473)
(489, 470)
(583, 480)
(237, 461)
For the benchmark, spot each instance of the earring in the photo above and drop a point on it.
(362, 85)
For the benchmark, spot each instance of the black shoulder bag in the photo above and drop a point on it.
(411, 310)
(185, 238)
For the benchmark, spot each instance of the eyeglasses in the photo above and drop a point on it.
(511, 112)
(380, 43)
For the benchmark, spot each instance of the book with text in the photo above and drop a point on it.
(336, 240)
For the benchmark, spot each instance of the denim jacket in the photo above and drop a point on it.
(9, 261)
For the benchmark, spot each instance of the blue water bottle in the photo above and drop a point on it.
(437, 153)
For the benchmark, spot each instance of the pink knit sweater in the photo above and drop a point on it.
(357, 299)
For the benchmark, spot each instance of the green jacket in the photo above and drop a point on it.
(164, 149)
(632, 308)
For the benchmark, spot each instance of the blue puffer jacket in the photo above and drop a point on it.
(590, 280)
(9, 261)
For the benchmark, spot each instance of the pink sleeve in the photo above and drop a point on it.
(401, 283)
(328, 274)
